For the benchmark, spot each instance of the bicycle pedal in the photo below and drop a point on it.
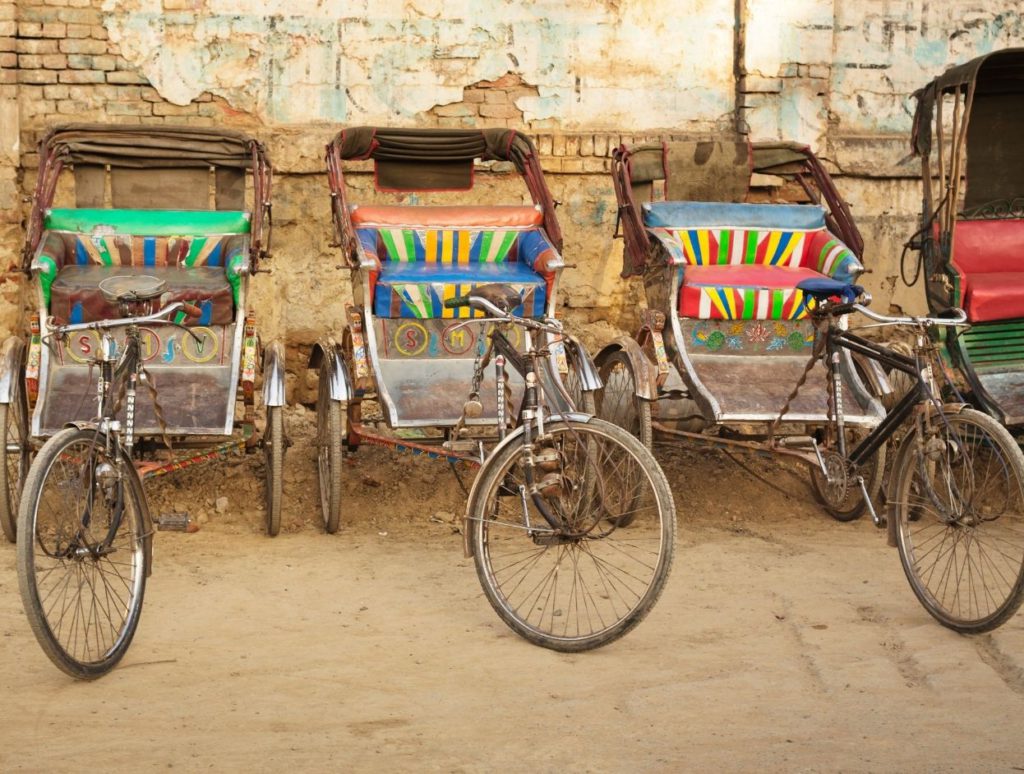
(176, 522)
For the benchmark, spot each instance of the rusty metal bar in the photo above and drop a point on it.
(434, 452)
(714, 441)
(148, 470)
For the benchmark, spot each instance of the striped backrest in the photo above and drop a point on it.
(447, 246)
(812, 249)
(140, 251)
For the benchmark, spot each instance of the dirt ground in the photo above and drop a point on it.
(784, 640)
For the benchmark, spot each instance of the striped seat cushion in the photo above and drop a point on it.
(742, 292)
(416, 268)
(419, 289)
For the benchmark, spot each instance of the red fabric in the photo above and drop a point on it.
(985, 246)
(993, 296)
(446, 217)
(743, 276)
(748, 276)
(989, 256)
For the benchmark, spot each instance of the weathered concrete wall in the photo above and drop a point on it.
(581, 77)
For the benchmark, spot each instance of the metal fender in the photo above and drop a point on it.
(327, 353)
(12, 355)
(590, 380)
(273, 374)
(646, 373)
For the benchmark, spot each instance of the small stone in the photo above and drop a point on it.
(222, 504)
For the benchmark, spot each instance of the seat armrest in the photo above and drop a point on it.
(49, 260)
(827, 254)
(671, 244)
(537, 252)
(368, 250)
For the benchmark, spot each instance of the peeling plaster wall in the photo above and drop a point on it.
(367, 61)
(581, 78)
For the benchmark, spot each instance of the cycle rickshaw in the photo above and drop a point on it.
(442, 291)
(190, 208)
(747, 344)
(726, 334)
(971, 241)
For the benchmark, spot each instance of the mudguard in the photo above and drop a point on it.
(327, 353)
(645, 371)
(273, 374)
(12, 356)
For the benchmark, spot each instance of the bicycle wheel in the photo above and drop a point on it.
(14, 425)
(329, 453)
(577, 592)
(619, 403)
(83, 604)
(959, 505)
(273, 450)
(842, 498)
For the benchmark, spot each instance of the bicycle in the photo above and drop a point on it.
(86, 549)
(570, 521)
(956, 490)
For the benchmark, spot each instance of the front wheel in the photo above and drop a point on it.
(81, 567)
(958, 499)
(14, 426)
(595, 579)
(273, 450)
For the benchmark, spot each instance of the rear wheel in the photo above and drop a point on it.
(14, 426)
(273, 450)
(330, 455)
(618, 402)
(959, 509)
(597, 578)
(82, 588)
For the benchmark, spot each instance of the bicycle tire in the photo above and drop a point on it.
(979, 587)
(92, 650)
(850, 504)
(273, 450)
(14, 426)
(610, 456)
(330, 454)
(618, 402)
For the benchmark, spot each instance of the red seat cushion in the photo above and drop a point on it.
(989, 255)
(743, 292)
(993, 296)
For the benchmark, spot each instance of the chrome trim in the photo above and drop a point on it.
(274, 374)
(11, 356)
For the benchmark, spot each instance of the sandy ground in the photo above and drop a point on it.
(783, 641)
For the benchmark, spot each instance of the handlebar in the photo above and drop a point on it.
(121, 322)
(860, 303)
(960, 317)
(497, 314)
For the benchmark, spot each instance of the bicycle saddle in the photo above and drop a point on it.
(131, 287)
(821, 289)
(502, 296)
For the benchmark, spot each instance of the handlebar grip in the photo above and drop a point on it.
(191, 310)
(454, 303)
